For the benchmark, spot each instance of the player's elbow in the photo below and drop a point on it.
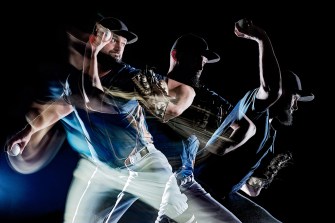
(251, 130)
(247, 126)
(175, 111)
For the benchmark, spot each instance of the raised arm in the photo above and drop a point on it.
(239, 128)
(97, 42)
(269, 70)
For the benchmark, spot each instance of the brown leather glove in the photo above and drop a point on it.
(152, 93)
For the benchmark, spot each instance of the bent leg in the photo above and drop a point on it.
(205, 207)
(94, 191)
(247, 210)
(156, 185)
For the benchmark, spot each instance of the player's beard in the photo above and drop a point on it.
(108, 62)
(195, 80)
(186, 75)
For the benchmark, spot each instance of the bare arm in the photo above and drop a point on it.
(182, 95)
(94, 101)
(243, 130)
(269, 70)
(93, 70)
(238, 133)
(41, 116)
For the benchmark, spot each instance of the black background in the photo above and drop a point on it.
(301, 37)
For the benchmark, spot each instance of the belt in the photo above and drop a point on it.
(138, 155)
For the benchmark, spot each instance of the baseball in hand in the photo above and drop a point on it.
(15, 150)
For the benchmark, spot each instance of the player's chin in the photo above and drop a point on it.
(117, 57)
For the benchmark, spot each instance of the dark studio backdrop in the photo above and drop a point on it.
(299, 38)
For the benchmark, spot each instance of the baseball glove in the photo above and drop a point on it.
(277, 163)
(152, 93)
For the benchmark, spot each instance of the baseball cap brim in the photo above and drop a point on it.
(192, 43)
(305, 96)
(211, 56)
(130, 36)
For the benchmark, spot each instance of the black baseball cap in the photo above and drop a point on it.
(291, 81)
(81, 26)
(119, 28)
(193, 43)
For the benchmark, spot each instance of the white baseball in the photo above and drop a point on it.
(15, 150)
(108, 35)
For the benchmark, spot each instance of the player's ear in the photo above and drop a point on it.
(173, 54)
